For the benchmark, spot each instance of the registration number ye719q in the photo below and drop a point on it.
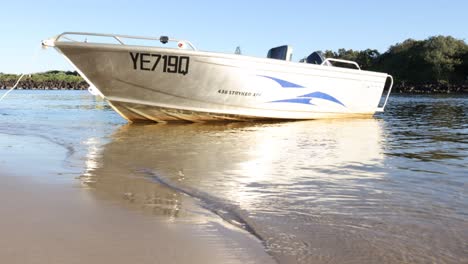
(166, 63)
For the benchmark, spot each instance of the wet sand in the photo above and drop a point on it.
(49, 217)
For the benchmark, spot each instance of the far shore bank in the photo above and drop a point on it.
(71, 80)
(47, 85)
(428, 88)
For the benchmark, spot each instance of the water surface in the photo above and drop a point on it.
(391, 189)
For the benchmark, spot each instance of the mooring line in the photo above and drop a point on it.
(12, 88)
(21, 77)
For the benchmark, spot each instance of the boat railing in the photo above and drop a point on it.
(120, 38)
(341, 61)
(381, 109)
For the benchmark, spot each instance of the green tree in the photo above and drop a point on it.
(462, 69)
(366, 58)
(404, 61)
(443, 54)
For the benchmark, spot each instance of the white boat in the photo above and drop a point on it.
(144, 82)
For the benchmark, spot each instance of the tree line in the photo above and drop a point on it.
(45, 80)
(435, 60)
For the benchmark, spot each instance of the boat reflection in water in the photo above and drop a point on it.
(225, 158)
(258, 175)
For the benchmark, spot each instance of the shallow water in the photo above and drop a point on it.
(392, 189)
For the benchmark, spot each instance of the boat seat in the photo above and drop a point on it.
(317, 57)
(280, 53)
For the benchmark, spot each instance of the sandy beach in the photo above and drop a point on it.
(49, 217)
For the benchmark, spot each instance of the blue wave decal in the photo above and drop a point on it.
(295, 100)
(323, 96)
(283, 83)
(307, 99)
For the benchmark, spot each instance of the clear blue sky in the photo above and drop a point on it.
(220, 25)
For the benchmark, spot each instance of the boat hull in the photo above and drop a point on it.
(161, 85)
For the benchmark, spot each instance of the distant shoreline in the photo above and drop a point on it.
(71, 80)
(51, 80)
(49, 85)
(428, 88)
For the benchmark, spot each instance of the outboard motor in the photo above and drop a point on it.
(280, 53)
(317, 57)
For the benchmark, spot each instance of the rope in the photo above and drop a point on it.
(19, 79)
(12, 88)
